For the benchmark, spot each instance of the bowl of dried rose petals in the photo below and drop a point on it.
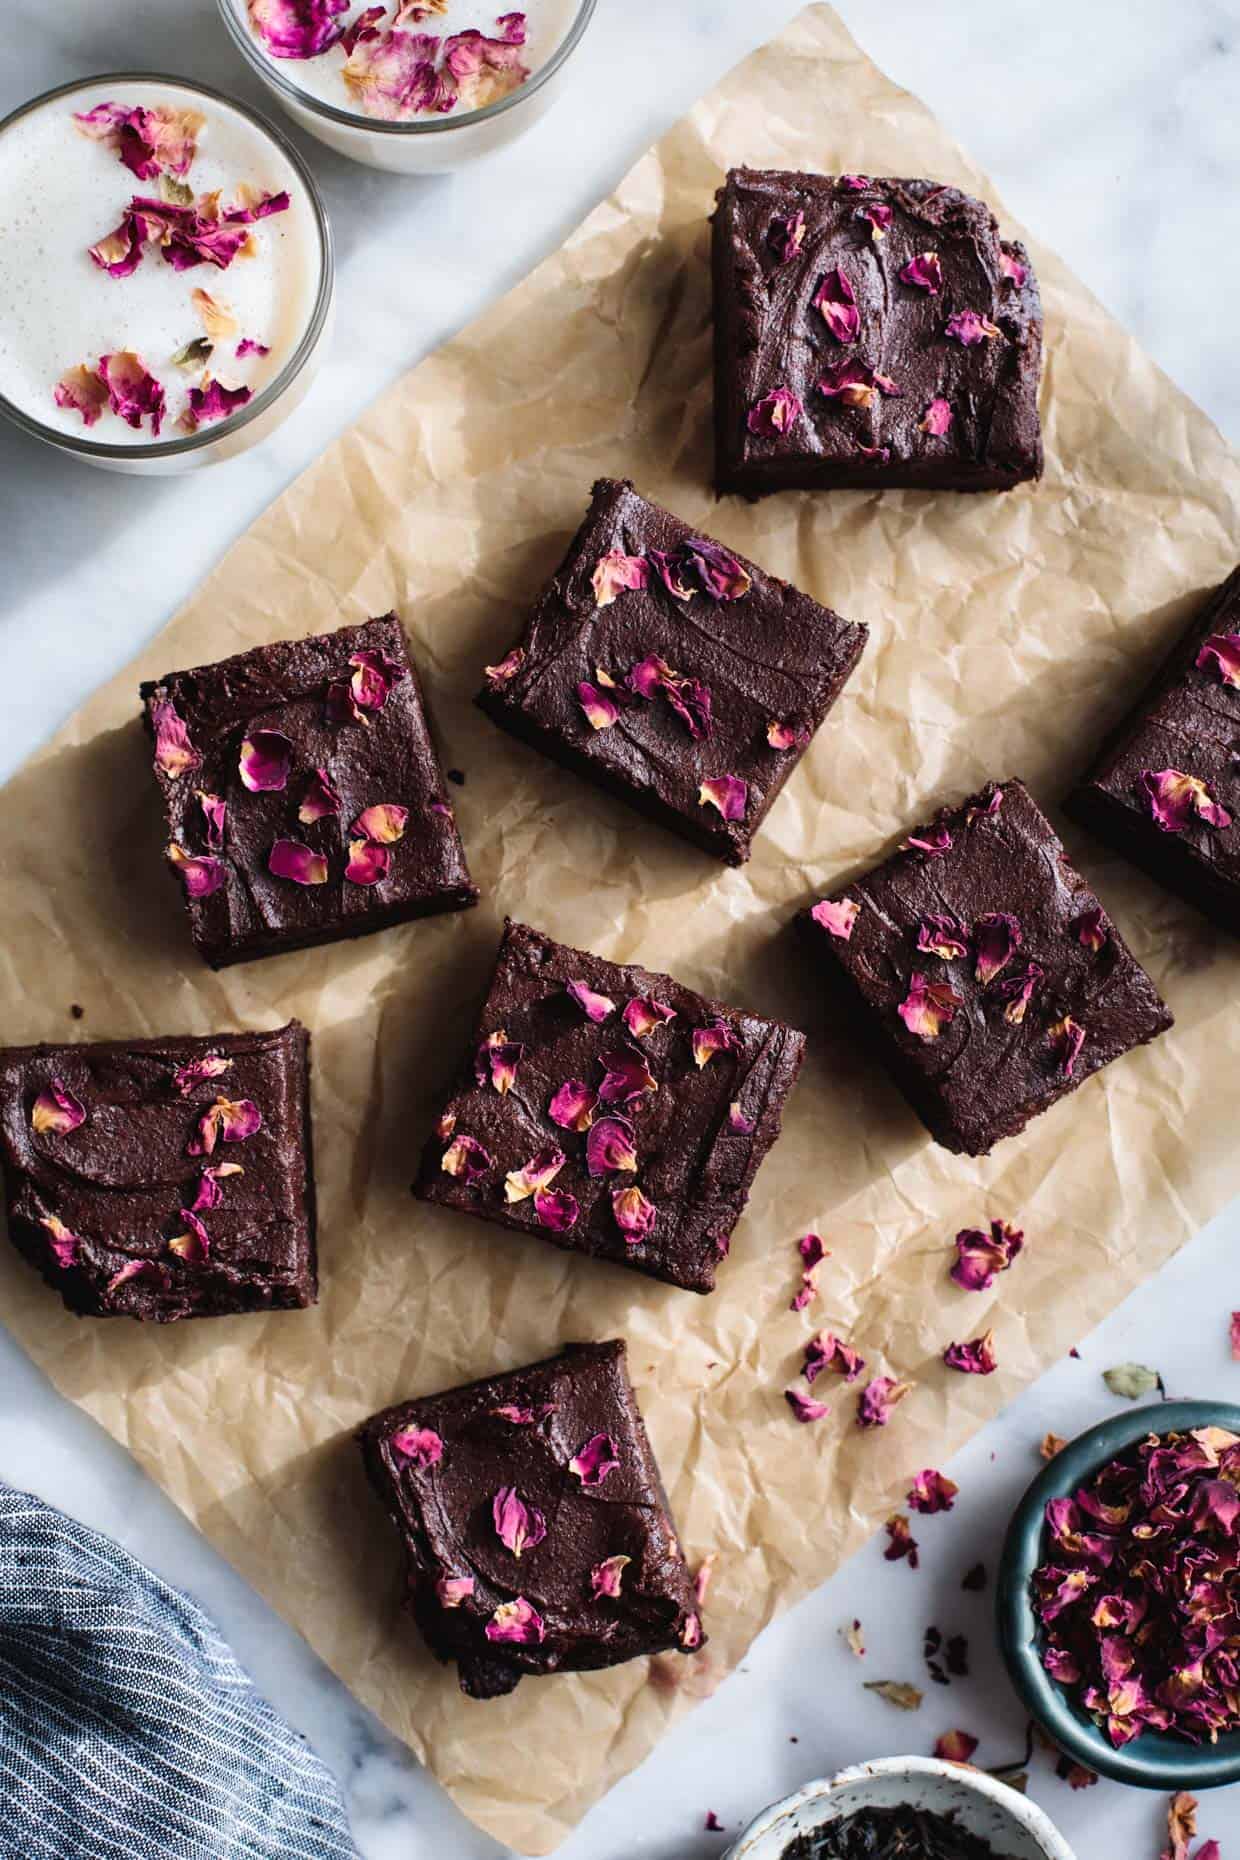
(1119, 1597)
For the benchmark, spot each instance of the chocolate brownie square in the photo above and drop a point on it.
(303, 794)
(536, 1529)
(870, 333)
(672, 672)
(164, 1179)
(610, 1110)
(1165, 790)
(984, 972)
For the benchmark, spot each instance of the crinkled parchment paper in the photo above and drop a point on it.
(1006, 632)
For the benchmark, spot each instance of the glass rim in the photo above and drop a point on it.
(429, 126)
(275, 389)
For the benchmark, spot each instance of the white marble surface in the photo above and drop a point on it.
(1112, 130)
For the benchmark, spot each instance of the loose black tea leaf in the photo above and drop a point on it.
(892, 1834)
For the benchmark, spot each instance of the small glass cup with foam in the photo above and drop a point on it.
(211, 302)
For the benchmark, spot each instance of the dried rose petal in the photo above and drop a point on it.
(555, 1209)
(393, 75)
(980, 1256)
(194, 1244)
(573, 1106)
(450, 1591)
(175, 755)
(783, 736)
(484, 70)
(517, 1621)
(737, 1120)
(1067, 1037)
(196, 1071)
(786, 235)
(374, 674)
(247, 346)
(728, 793)
(384, 824)
(998, 936)
(1220, 653)
(1017, 991)
(626, 1076)
(216, 318)
(62, 1243)
(939, 935)
(933, 843)
(421, 1446)
(148, 141)
(720, 574)
(828, 1352)
(615, 572)
(932, 1492)
(635, 1216)
(368, 864)
(650, 676)
(320, 801)
(133, 392)
(775, 414)
(925, 271)
(518, 1526)
(140, 1269)
(609, 1146)
(937, 419)
(200, 876)
(465, 1157)
(973, 1359)
(901, 1545)
(539, 1172)
(600, 710)
(1091, 929)
(497, 1060)
(837, 916)
(596, 1460)
(523, 1417)
(297, 28)
(264, 761)
(879, 216)
(234, 1120)
(213, 402)
(718, 1037)
(119, 253)
(705, 1573)
(606, 1577)
(672, 572)
(594, 1006)
(1175, 798)
(877, 1400)
(290, 859)
(215, 813)
(955, 1747)
(968, 328)
(928, 1006)
(855, 183)
(836, 299)
(1012, 268)
(812, 1252)
(804, 1407)
(691, 1633)
(507, 668)
(643, 1014)
(210, 1194)
(854, 383)
(83, 391)
(56, 1112)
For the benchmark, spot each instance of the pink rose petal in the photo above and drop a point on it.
(1091, 929)
(594, 1006)
(1067, 1037)
(374, 675)
(197, 1071)
(1012, 268)
(609, 1146)
(634, 1215)
(928, 1006)
(838, 303)
(968, 329)
(901, 1545)
(980, 1256)
(210, 1194)
(728, 793)
(925, 271)
(56, 1112)
(518, 1622)
(496, 1061)
(879, 216)
(507, 668)
(290, 859)
(837, 916)
(148, 1269)
(706, 1042)
(573, 1106)
(297, 28)
(878, 1399)
(940, 935)
(320, 801)
(523, 1417)
(932, 1492)
(786, 235)
(62, 1244)
(785, 736)
(737, 1120)
(615, 573)
(812, 1252)
(973, 1359)
(368, 864)
(81, 390)
(264, 761)
(720, 573)
(804, 1407)
(232, 1120)
(213, 402)
(600, 711)
(626, 1076)
(215, 814)
(673, 573)
(465, 1157)
(1221, 655)
(596, 1460)
(775, 414)
(555, 1209)
(133, 391)
(691, 1633)
(194, 1245)
(643, 1014)
(1176, 799)
(855, 383)
(384, 824)
(421, 1446)
(248, 346)
(148, 141)
(828, 1352)
(997, 936)
(518, 1526)
(1017, 990)
(937, 419)
(933, 843)
(450, 1591)
(539, 1172)
(955, 1747)
(201, 876)
(606, 1577)
(483, 70)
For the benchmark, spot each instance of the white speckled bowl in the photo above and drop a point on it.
(1015, 1828)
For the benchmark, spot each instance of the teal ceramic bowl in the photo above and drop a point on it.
(1153, 1760)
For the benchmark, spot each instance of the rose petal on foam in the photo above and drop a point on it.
(1012, 268)
(976, 1358)
(517, 1622)
(149, 1269)
(878, 1399)
(925, 270)
(600, 710)
(555, 1209)
(980, 1256)
(775, 414)
(148, 141)
(968, 329)
(1017, 991)
(518, 1526)
(609, 1147)
(955, 1747)
(365, 26)
(248, 346)
(133, 392)
(1091, 929)
(496, 1061)
(83, 391)
(1220, 654)
(783, 736)
(200, 876)
(737, 1120)
(928, 1006)
(728, 793)
(538, 1172)
(837, 301)
(594, 1006)
(320, 800)
(606, 1577)
(119, 253)
(264, 761)
(786, 235)
(300, 864)
(210, 1194)
(934, 842)
(197, 1071)
(421, 1446)
(297, 28)
(642, 1014)
(175, 755)
(194, 1245)
(615, 572)
(828, 1352)
(937, 419)
(213, 402)
(479, 70)
(931, 1492)
(838, 916)
(720, 574)
(62, 1243)
(507, 668)
(596, 1460)
(634, 1215)
(467, 1158)
(626, 1076)
(56, 1112)
(997, 936)
(1067, 1037)
(383, 824)
(718, 1037)
(573, 1106)
(901, 1544)
(234, 1120)
(1176, 798)
(804, 1407)
(940, 935)
(450, 1591)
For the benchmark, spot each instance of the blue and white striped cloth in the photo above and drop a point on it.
(127, 1729)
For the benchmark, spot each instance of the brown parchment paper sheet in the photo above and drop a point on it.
(1006, 633)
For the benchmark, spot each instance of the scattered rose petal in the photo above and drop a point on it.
(728, 793)
(297, 28)
(878, 1399)
(932, 1492)
(523, 1417)
(634, 1215)
(573, 1106)
(784, 736)
(928, 1006)
(707, 1041)
(939, 935)
(539, 1172)
(210, 1194)
(480, 71)
(1067, 1037)
(56, 1112)
(247, 346)
(133, 392)
(384, 824)
(854, 383)
(904, 1697)
(518, 1526)
(465, 1157)
(879, 216)
(609, 1146)
(421, 1446)
(215, 813)
(673, 572)
(119, 253)
(367, 864)
(828, 1352)
(450, 1591)
(507, 668)
(393, 75)
(1012, 268)
(775, 414)
(83, 391)
(149, 1269)
(446, 1125)
(373, 677)
(855, 183)
(650, 676)
(290, 859)
(1175, 799)
(812, 1253)
(194, 1245)
(973, 1359)
(213, 402)
(837, 916)
(997, 936)
(955, 1747)
(148, 141)
(615, 572)
(555, 1209)
(738, 1122)
(980, 1256)
(934, 843)
(838, 303)
(594, 1006)
(968, 328)
(1091, 929)
(1017, 991)
(517, 1621)
(925, 270)
(705, 1573)
(626, 1076)
(201, 876)
(606, 1577)
(197, 1071)
(1219, 654)
(320, 801)
(496, 1061)
(216, 318)
(804, 1407)
(600, 710)
(596, 1460)
(937, 419)
(232, 1120)
(786, 235)
(643, 1014)
(175, 755)
(264, 761)
(62, 1244)
(691, 1633)
(902, 1545)
(721, 575)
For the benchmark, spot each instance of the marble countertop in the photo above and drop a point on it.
(1112, 131)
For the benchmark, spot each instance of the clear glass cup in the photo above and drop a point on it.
(270, 407)
(424, 145)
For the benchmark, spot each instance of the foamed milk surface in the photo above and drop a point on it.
(547, 22)
(61, 192)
